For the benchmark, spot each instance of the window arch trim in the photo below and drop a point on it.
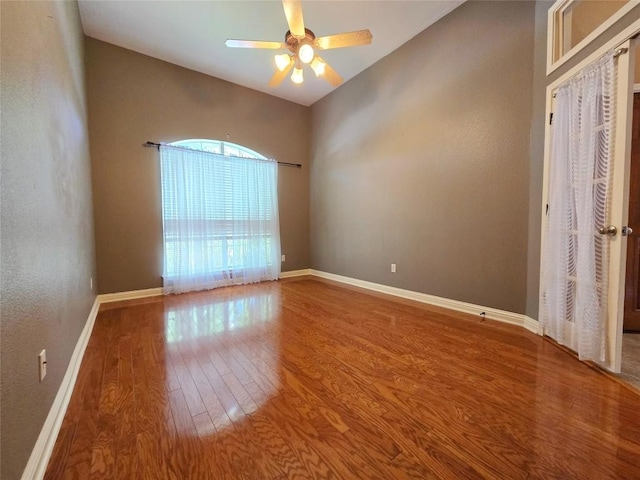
(228, 149)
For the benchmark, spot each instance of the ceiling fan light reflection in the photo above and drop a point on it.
(306, 53)
(318, 66)
(296, 76)
(282, 61)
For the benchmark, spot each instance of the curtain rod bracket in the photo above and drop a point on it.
(620, 51)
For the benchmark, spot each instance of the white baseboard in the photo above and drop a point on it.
(492, 313)
(295, 273)
(37, 464)
(116, 297)
(532, 325)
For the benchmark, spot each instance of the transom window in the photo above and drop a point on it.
(573, 24)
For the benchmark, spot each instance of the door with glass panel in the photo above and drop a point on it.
(587, 196)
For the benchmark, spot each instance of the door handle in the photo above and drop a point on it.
(626, 231)
(611, 230)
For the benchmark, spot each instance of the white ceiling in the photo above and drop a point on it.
(192, 34)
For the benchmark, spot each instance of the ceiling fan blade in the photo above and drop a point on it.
(330, 75)
(279, 75)
(253, 44)
(293, 12)
(350, 39)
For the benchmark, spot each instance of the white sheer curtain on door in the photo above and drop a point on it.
(220, 219)
(575, 262)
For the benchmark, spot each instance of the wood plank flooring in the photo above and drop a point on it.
(308, 379)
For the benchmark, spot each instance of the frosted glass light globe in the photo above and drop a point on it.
(306, 53)
(318, 66)
(296, 76)
(282, 61)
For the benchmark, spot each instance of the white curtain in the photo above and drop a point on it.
(220, 220)
(574, 267)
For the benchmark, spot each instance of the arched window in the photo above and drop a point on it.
(220, 215)
(216, 146)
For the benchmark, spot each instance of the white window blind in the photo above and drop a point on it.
(220, 216)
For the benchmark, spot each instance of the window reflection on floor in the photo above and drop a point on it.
(223, 347)
(221, 315)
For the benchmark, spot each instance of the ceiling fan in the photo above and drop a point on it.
(303, 45)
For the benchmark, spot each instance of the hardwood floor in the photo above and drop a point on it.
(308, 379)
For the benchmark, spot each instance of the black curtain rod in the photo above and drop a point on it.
(158, 145)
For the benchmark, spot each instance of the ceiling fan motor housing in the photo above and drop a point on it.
(294, 43)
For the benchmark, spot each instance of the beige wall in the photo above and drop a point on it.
(536, 155)
(47, 225)
(133, 98)
(422, 160)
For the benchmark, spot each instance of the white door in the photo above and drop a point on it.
(616, 216)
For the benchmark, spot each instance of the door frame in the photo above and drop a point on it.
(620, 183)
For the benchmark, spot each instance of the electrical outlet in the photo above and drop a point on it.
(42, 364)
(393, 268)
(283, 258)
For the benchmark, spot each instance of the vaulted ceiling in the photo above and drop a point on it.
(192, 34)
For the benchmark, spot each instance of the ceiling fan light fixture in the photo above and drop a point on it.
(318, 66)
(302, 44)
(297, 76)
(282, 61)
(306, 53)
